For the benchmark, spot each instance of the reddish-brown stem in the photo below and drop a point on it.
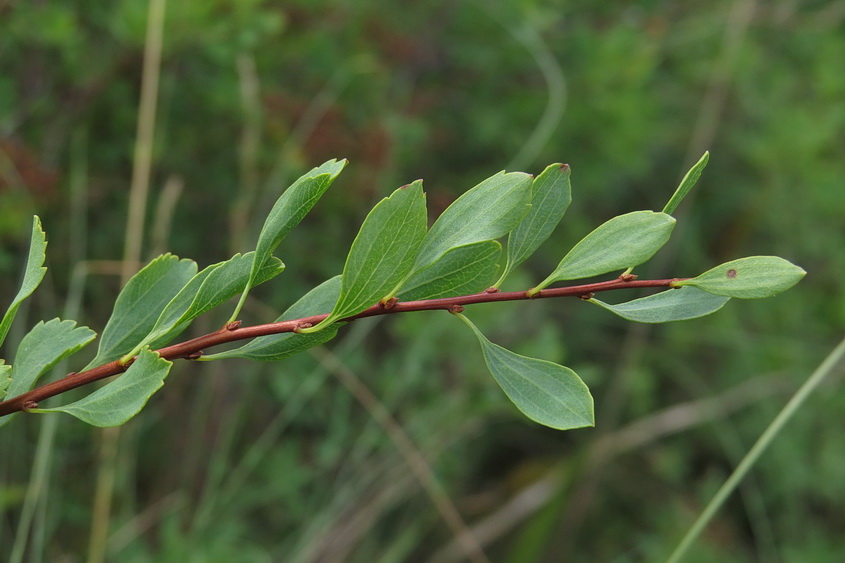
(192, 349)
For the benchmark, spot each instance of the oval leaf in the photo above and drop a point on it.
(547, 393)
(383, 252)
(551, 196)
(461, 271)
(319, 300)
(33, 274)
(120, 399)
(748, 278)
(488, 211)
(668, 306)
(140, 303)
(291, 207)
(624, 241)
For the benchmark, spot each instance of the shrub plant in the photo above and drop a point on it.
(396, 264)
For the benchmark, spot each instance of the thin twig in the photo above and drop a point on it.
(232, 332)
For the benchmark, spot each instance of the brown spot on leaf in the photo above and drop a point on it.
(731, 273)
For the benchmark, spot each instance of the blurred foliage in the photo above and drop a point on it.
(280, 462)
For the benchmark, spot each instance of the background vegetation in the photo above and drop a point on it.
(290, 461)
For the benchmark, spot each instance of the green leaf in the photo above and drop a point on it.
(318, 301)
(547, 393)
(5, 380)
(33, 274)
(488, 211)
(667, 306)
(622, 242)
(383, 252)
(690, 179)
(291, 207)
(461, 271)
(551, 196)
(120, 399)
(748, 278)
(41, 349)
(140, 303)
(213, 286)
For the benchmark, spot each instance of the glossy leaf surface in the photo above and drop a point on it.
(624, 241)
(33, 274)
(318, 301)
(547, 393)
(383, 252)
(140, 303)
(667, 306)
(122, 398)
(461, 271)
(551, 196)
(748, 278)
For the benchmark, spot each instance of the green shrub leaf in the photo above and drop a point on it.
(291, 207)
(689, 181)
(33, 274)
(551, 196)
(318, 301)
(41, 349)
(547, 393)
(667, 306)
(624, 241)
(488, 211)
(461, 271)
(748, 278)
(140, 303)
(121, 399)
(382, 253)
(5, 380)
(211, 287)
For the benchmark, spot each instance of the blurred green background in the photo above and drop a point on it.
(291, 462)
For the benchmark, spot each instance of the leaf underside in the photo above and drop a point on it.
(547, 393)
(667, 306)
